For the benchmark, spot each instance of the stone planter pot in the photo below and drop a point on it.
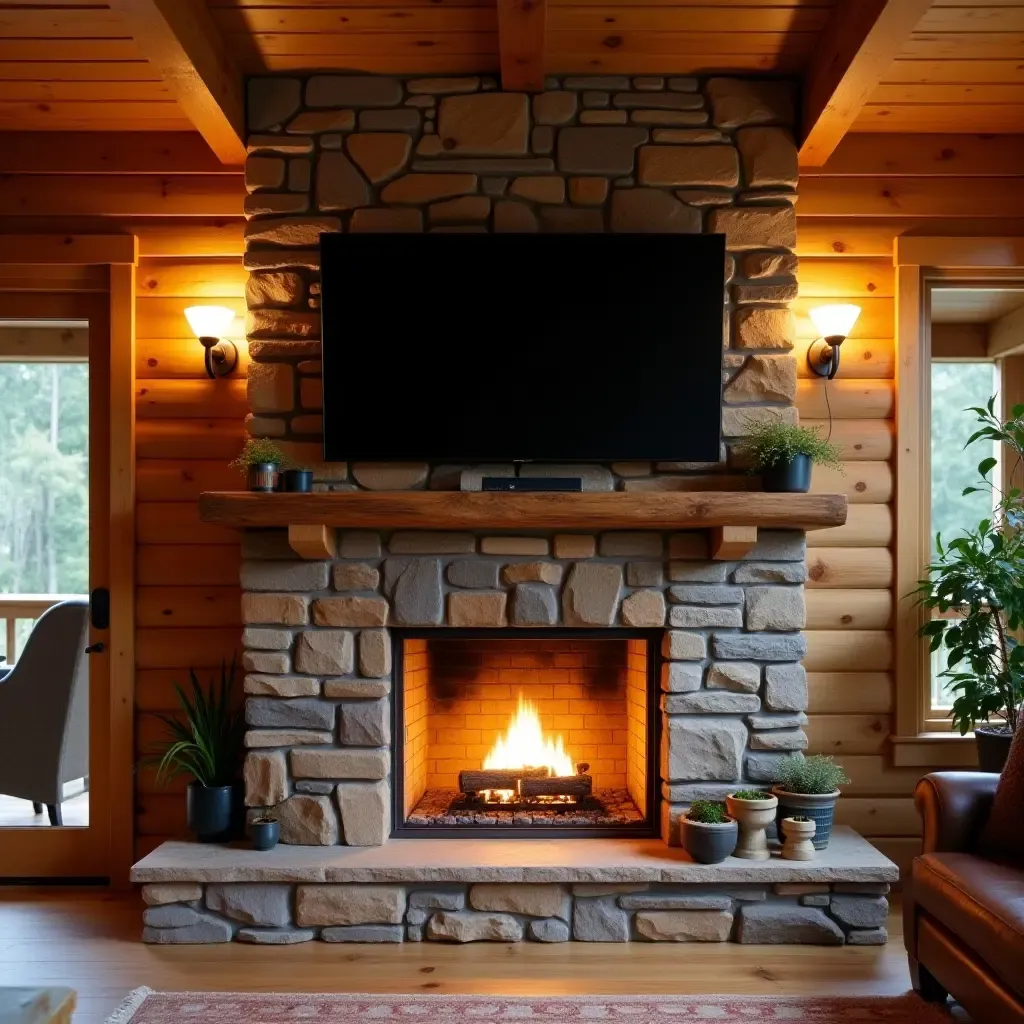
(208, 812)
(993, 748)
(799, 836)
(752, 817)
(790, 477)
(819, 807)
(264, 834)
(708, 844)
(263, 477)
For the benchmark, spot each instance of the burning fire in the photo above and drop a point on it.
(524, 745)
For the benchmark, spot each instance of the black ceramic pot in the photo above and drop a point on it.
(708, 844)
(792, 477)
(208, 811)
(297, 481)
(264, 835)
(993, 748)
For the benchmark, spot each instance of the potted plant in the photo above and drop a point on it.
(264, 830)
(809, 787)
(783, 454)
(976, 584)
(799, 833)
(754, 811)
(206, 743)
(261, 460)
(708, 834)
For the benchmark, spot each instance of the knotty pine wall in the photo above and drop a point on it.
(186, 210)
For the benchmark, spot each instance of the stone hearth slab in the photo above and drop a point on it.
(849, 858)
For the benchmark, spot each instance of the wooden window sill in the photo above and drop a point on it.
(934, 750)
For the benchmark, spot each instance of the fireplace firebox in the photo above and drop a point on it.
(543, 733)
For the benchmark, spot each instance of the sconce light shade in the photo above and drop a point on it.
(835, 321)
(209, 323)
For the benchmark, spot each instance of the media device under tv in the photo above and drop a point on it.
(474, 348)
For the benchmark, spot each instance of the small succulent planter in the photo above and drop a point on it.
(819, 807)
(799, 833)
(708, 843)
(264, 833)
(753, 817)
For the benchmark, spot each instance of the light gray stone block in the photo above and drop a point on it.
(264, 905)
(285, 576)
(785, 688)
(416, 917)
(681, 676)
(778, 546)
(645, 574)
(861, 888)
(374, 653)
(266, 639)
(779, 923)
(684, 646)
(431, 542)
(684, 925)
(357, 689)
(316, 786)
(759, 647)
(414, 933)
(206, 929)
(275, 936)
(415, 586)
(534, 604)
(471, 926)
(775, 608)
(867, 937)
(770, 572)
(591, 595)
(308, 821)
(327, 652)
(171, 892)
(698, 572)
(766, 722)
(685, 616)
(815, 900)
(703, 749)
(530, 899)
(740, 676)
(674, 901)
(438, 900)
(644, 609)
(712, 702)
(474, 574)
(375, 933)
(706, 595)
(304, 713)
(762, 767)
(332, 905)
(599, 920)
(171, 915)
(365, 724)
(860, 911)
(780, 739)
(358, 544)
(365, 812)
(549, 930)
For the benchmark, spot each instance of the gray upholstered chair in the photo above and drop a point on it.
(44, 710)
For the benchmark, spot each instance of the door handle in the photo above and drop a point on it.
(97, 648)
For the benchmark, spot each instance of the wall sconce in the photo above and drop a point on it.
(834, 324)
(209, 324)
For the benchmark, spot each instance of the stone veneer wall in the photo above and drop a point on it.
(318, 654)
(363, 153)
(282, 914)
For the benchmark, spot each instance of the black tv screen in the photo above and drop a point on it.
(498, 348)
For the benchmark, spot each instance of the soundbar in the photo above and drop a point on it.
(533, 485)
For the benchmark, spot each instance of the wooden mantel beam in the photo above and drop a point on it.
(181, 40)
(521, 31)
(859, 43)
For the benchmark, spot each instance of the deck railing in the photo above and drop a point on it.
(15, 608)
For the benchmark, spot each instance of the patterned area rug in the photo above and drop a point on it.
(147, 1007)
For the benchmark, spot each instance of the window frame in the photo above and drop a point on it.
(920, 739)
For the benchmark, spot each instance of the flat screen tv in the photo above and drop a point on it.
(499, 348)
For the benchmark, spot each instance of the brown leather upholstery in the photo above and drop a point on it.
(964, 913)
(981, 903)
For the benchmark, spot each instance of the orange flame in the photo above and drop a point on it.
(524, 745)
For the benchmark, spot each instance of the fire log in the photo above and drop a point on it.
(578, 786)
(473, 781)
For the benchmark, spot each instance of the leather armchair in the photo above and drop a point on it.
(963, 912)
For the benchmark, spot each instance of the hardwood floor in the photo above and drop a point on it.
(16, 813)
(90, 941)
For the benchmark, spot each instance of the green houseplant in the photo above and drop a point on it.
(262, 461)
(754, 811)
(707, 833)
(976, 584)
(205, 741)
(783, 454)
(809, 787)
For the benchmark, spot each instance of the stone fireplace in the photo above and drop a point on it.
(388, 659)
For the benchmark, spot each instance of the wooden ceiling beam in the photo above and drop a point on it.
(521, 36)
(858, 45)
(182, 42)
(1006, 335)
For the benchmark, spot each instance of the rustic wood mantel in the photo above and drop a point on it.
(733, 517)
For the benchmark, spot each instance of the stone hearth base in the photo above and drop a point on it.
(589, 890)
